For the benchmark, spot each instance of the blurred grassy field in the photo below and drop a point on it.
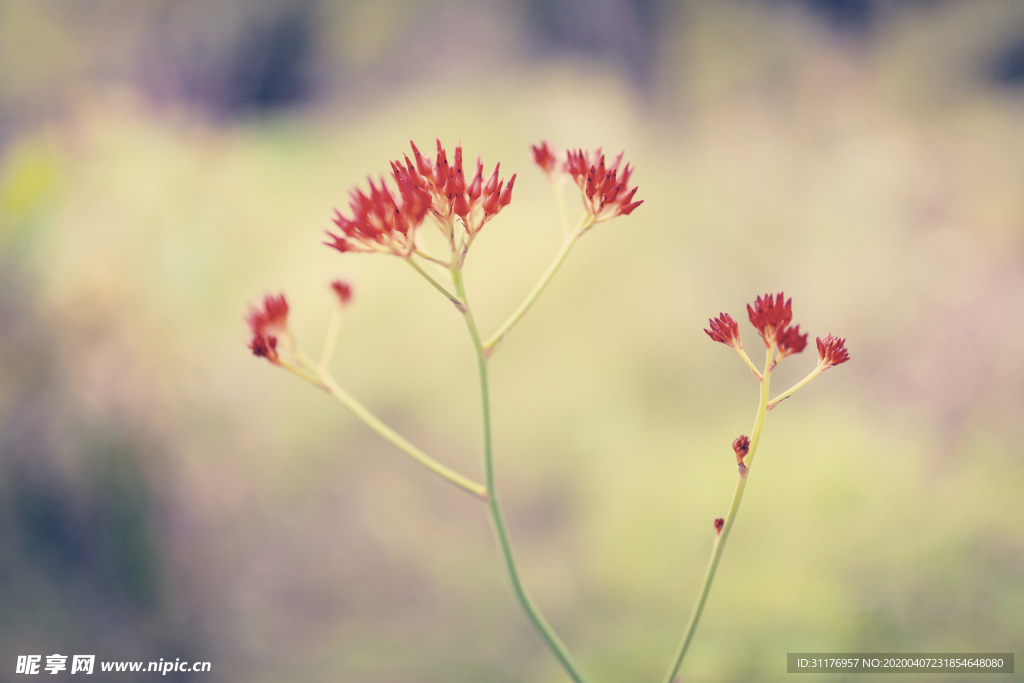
(165, 494)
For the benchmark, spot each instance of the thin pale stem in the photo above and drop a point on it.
(323, 379)
(373, 422)
(750, 363)
(734, 506)
(563, 252)
(558, 188)
(331, 339)
(796, 387)
(437, 285)
(497, 519)
(433, 259)
(310, 376)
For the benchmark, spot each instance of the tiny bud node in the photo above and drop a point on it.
(343, 290)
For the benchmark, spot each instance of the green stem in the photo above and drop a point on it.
(437, 285)
(734, 506)
(497, 519)
(789, 392)
(432, 259)
(750, 363)
(558, 188)
(567, 245)
(331, 339)
(373, 422)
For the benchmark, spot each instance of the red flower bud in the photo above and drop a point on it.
(741, 446)
(492, 183)
(460, 206)
(544, 157)
(506, 194)
(440, 168)
(422, 165)
(266, 325)
(476, 187)
(343, 290)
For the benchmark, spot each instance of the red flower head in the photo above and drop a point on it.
(268, 325)
(605, 191)
(719, 523)
(832, 351)
(381, 221)
(725, 330)
(545, 158)
(790, 341)
(387, 223)
(770, 315)
(343, 290)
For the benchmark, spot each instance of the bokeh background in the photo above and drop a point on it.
(164, 494)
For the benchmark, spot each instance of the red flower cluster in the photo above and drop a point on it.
(267, 325)
(544, 157)
(790, 341)
(832, 351)
(387, 223)
(719, 523)
(770, 315)
(605, 193)
(725, 330)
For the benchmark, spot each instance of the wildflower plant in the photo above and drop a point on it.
(431, 190)
(771, 317)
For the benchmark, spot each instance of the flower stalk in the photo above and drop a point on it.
(771, 317)
(796, 387)
(430, 189)
(554, 643)
(434, 283)
(750, 363)
(387, 221)
(730, 517)
(273, 340)
(570, 241)
(373, 422)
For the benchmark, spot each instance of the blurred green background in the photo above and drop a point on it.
(165, 494)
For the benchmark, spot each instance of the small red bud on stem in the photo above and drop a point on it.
(343, 290)
(741, 446)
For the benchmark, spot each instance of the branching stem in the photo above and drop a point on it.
(793, 389)
(497, 519)
(716, 551)
(323, 379)
(331, 339)
(437, 285)
(563, 252)
(374, 423)
(750, 363)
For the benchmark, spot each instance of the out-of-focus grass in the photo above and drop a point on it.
(883, 512)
